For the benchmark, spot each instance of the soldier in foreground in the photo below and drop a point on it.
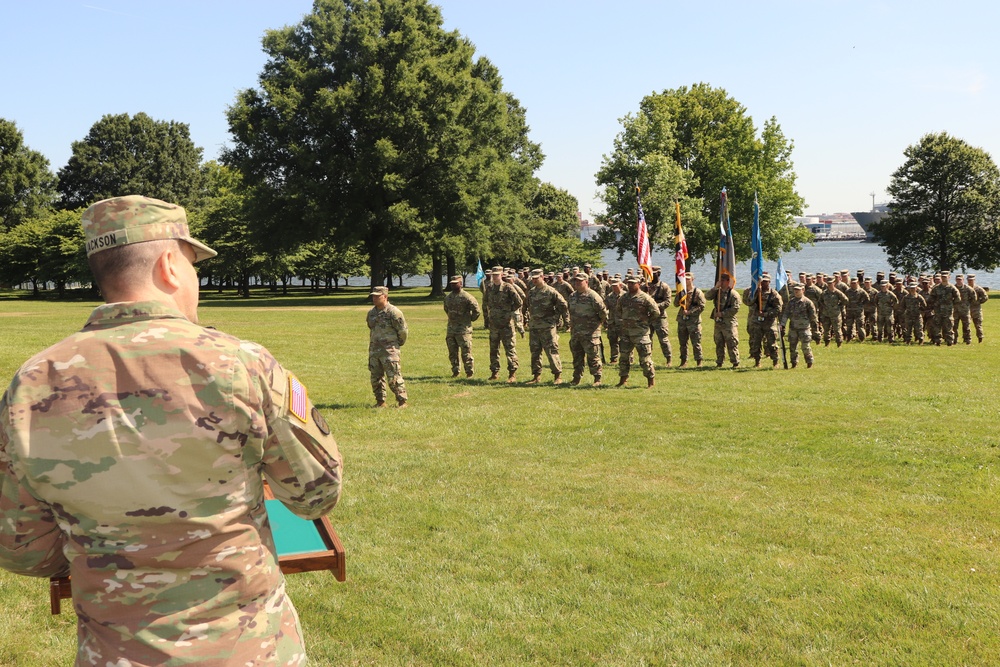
(131, 456)
(547, 308)
(503, 302)
(762, 321)
(689, 320)
(462, 309)
(799, 319)
(976, 308)
(726, 305)
(587, 314)
(636, 310)
(387, 333)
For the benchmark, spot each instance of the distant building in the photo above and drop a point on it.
(588, 231)
(832, 226)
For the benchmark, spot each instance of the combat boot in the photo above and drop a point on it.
(511, 378)
(534, 380)
(622, 380)
(495, 376)
(468, 374)
(454, 374)
(597, 381)
(402, 404)
(576, 381)
(380, 404)
(650, 382)
(557, 379)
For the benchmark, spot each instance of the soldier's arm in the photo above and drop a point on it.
(602, 310)
(516, 300)
(734, 305)
(301, 460)
(399, 324)
(31, 542)
(474, 310)
(561, 306)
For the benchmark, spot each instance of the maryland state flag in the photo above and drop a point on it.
(726, 264)
(680, 260)
(642, 234)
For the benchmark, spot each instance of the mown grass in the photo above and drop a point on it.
(839, 515)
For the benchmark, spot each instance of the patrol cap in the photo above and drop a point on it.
(911, 286)
(379, 290)
(868, 279)
(580, 277)
(883, 282)
(134, 219)
(615, 281)
(765, 277)
(971, 275)
(455, 279)
(854, 279)
(498, 269)
(632, 279)
(587, 266)
(537, 273)
(798, 287)
(657, 269)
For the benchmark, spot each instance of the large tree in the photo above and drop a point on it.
(27, 186)
(945, 208)
(686, 145)
(554, 231)
(374, 125)
(124, 155)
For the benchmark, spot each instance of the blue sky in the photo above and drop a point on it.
(851, 82)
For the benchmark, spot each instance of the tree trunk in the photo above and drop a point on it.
(436, 268)
(452, 269)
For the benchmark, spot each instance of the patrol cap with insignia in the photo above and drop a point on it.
(455, 279)
(134, 219)
(379, 290)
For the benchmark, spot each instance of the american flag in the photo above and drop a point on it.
(643, 254)
(297, 399)
(680, 260)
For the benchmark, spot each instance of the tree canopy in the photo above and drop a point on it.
(945, 207)
(124, 155)
(27, 186)
(685, 145)
(375, 126)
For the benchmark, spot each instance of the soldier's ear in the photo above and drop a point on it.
(167, 268)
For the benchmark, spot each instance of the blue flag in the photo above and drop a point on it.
(480, 274)
(780, 280)
(756, 249)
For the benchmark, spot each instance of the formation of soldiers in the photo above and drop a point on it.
(633, 312)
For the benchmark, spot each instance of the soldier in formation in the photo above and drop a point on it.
(726, 304)
(660, 292)
(503, 303)
(799, 319)
(762, 321)
(690, 303)
(546, 308)
(462, 309)
(636, 311)
(587, 314)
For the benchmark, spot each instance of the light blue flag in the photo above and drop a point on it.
(757, 250)
(780, 279)
(480, 274)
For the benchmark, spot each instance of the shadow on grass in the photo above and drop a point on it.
(338, 406)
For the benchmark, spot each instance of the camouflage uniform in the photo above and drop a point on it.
(762, 323)
(131, 458)
(830, 304)
(660, 292)
(913, 308)
(587, 314)
(963, 314)
(854, 323)
(503, 301)
(798, 316)
(976, 310)
(387, 334)
(547, 308)
(613, 326)
(564, 289)
(462, 309)
(869, 308)
(945, 297)
(635, 312)
(726, 334)
(689, 324)
(813, 293)
(885, 304)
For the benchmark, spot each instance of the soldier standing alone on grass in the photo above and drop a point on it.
(462, 309)
(387, 333)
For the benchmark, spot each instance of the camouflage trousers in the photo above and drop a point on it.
(912, 327)
(869, 318)
(941, 328)
(726, 338)
(460, 343)
(502, 335)
(977, 321)
(831, 328)
(613, 343)
(884, 327)
(963, 321)
(384, 367)
(643, 347)
(546, 340)
(800, 337)
(689, 329)
(763, 337)
(661, 329)
(854, 325)
(586, 346)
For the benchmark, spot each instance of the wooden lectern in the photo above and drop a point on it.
(302, 545)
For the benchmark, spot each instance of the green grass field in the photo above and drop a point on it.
(840, 515)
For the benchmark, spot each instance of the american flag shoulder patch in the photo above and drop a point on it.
(297, 399)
